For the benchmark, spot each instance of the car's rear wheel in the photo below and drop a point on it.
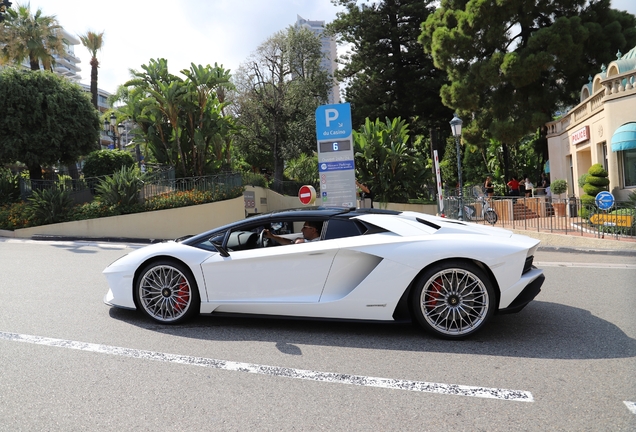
(453, 299)
(167, 292)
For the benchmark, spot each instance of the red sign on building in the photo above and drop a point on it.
(581, 135)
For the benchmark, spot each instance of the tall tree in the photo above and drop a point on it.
(93, 43)
(512, 64)
(278, 91)
(180, 120)
(51, 120)
(35, 37)
(386, 73)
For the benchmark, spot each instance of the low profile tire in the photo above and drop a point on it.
(491, 217)
(167, 292)
(453, 299)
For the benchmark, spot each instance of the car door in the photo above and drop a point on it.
(287, 274)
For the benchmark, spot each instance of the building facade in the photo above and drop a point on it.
(329, 51)
(600, 129)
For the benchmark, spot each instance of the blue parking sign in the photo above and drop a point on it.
(333, 121)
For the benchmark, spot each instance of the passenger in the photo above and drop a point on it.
(311, 232)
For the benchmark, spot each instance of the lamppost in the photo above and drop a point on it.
(456, 128)
(109, 128)
(4, 5)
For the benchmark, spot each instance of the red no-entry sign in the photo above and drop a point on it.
(307, 194)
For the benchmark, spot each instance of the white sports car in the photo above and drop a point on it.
(447, 275)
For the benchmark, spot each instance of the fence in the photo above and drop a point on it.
(221, 183)
(549, 214)
(157, 182)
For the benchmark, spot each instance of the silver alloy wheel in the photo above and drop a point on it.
(165, 293)
(454, 302)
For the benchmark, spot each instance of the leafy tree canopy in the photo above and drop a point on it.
(45, 120)
(30, 36)
(387, 74)
(182, 121)
(278, 91)
(389, 163)
(511, 64)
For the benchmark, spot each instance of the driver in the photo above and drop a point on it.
(311, 232)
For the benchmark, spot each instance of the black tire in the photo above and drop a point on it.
(167, 292)
(491, 217)
(453, 299)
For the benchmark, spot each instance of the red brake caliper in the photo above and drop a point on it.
(183, 295)
(433, 293)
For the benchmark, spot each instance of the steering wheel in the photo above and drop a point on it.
(262, 240)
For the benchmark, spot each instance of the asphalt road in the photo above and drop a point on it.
(68, 362)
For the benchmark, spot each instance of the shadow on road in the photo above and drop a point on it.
(542, 330)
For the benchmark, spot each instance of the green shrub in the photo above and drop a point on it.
(582, 179)
(49, 206)
(14, 216)
(597, 181)
(9, 187)
(92, 210)
(585, 212)
(597, 170)
(587, 200)
(559, 186)
(592, 190)
(254, 179)
(121, 189)
(106, 162)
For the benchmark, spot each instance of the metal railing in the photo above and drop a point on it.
(218, 183)
(549, 214)
(157, 182)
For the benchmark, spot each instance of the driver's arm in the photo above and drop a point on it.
(279, 239)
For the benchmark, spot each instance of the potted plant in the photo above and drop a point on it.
(559, 187)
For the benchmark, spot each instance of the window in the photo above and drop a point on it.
(339, 228)
(629, 167)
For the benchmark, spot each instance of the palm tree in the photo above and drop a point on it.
(93, 43)
(36, 36)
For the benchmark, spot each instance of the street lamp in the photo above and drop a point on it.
(4, 5)
(456, 128)
(109, 128)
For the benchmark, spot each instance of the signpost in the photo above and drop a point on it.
(336, 165)
(440, 190)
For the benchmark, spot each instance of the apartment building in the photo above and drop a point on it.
(329, 51)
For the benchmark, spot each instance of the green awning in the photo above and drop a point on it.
(624, 138)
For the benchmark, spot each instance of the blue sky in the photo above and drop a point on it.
(184, 31)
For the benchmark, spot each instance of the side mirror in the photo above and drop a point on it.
(220, 249)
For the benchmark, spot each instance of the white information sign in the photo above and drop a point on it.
(336, 165)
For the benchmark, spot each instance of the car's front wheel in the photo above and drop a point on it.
(167, 292)
(453, 299)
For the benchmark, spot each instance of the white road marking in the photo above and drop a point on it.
(387, 383)
(584, 265)
(631, 406)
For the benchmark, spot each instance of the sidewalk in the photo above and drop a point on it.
(580, 243)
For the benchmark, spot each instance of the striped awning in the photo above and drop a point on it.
(624, 138)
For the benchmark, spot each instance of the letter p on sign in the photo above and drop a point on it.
(330, 115)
